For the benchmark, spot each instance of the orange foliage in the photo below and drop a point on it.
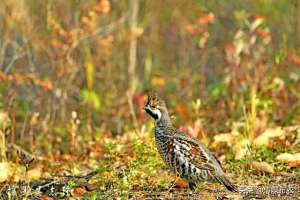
(103, 6)
(181, 184)
(79, 191)
(206, 19)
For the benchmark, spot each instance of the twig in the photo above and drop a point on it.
(48, 184)
(132, 112)
(15, 57)
(133, 43)
(86, 177)
(101, 30)
(3, 46)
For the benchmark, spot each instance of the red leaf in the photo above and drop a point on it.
(181, 184)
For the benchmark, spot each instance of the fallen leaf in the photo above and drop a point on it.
(34, 173)
(287, 157)
(78, 192)
(44, 197)
(223, 138)
(263, 167)
(140, 198)
(181, 184)
(295, 164)
(91, 186)
(267, 135)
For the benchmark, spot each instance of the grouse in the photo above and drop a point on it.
(185, 156)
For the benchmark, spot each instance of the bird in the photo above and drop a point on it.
(184, 155)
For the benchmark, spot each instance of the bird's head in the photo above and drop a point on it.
(155, 107)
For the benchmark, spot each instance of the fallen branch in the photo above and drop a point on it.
(55, 187)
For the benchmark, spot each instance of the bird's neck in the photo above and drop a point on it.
(164, 121)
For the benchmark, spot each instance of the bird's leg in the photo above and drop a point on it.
(192, 187)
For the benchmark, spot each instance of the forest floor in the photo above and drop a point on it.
(130, 168)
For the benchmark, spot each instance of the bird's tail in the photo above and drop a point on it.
(224, 181)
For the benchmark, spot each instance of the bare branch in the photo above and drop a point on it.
(133, 43)
(101, 30)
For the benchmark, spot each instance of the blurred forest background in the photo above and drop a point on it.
(75, 72)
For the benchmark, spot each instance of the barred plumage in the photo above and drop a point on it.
(184, 155)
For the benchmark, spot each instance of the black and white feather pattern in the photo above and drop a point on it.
(188, 158)
(184, 155)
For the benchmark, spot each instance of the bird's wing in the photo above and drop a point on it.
(197, 154)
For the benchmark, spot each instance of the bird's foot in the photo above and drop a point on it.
(191, 189)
